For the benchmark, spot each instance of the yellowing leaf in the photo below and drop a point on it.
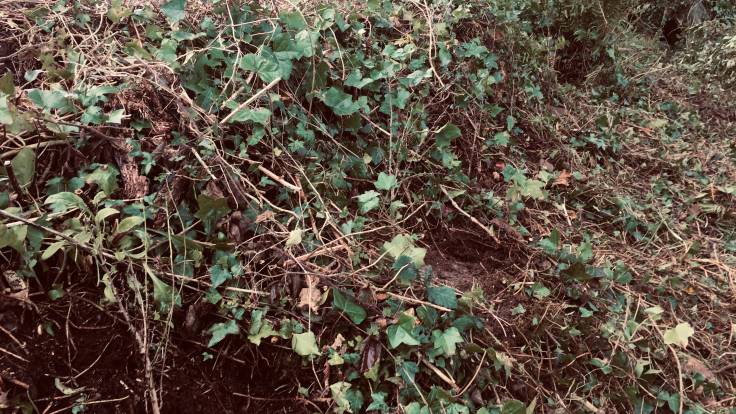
(679, 335)
(295, 237)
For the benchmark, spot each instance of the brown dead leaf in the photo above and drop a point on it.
(695, 366)
(337, 343)
(563, 179)
(266, 215)
(310, 296)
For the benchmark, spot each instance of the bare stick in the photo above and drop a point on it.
(14, 180)
(473, 219)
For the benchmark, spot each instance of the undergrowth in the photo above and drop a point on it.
(507, 206)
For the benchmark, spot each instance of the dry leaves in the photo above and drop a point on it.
(563, 179)
(310, 296)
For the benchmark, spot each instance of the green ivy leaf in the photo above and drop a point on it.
(368, 201)
(220, 330)
(211, 210)
(258, 115)
(6, 116)
(341, 103)
(397, 335)
(446, 134)
(386, 182)
(446, 341)
(163, 294)
(513, 407)
(442, 296)
(48, 100)
(24, 166)
(7, 86)
(305, 344)
(106, 177)
(267, 68)
(174, 10)
(219, 274)
(342, 302)
(13, 237)
(679, 335)
(402, 245)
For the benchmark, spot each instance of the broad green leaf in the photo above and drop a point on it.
(295, 238)
(442, 296)
(341, 103)
(259, 328)
(446, 341)
(513, 407)
(116, 116)
(222, 329)
(267, 68)
(402, 245)
(345, 303)
(305, 344)
(129, 223)
(48, 100)
(219, 274)
(679, 335)
(378, 402)
(6, 116)
(210, 211)
(258, 115)
(7, 86)
(339, 391)
(368, 201)
(13, 237)
(106, 177)
(397, 335)
(117, 11)
(65, 201)
(293, 19)
(53, 248)
(386, 182)
(24, 166)
(31, 75)
(446, 134)
(104, 213)
(163, 294)
(174, 10)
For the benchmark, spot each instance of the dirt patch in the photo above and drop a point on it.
(72, 352)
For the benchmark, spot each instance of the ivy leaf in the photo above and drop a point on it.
(397, 335)
(446, 134)
(339, 391)
(174, 10)
(402, 245)
(355, 312)
(378, 402)
(219, 274)
(13, 237)
(7, 86)
(446, 341)
(305, 344)
(48, 100)
(220, 330)
(24, 166)
(258, 115)
(386, 182)
(513, 407)
(442, 296)
(341, 103)
(211, 210)
(679, 335)
(106, 177)
(267, 68)
(6, 116)
(368, 201)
